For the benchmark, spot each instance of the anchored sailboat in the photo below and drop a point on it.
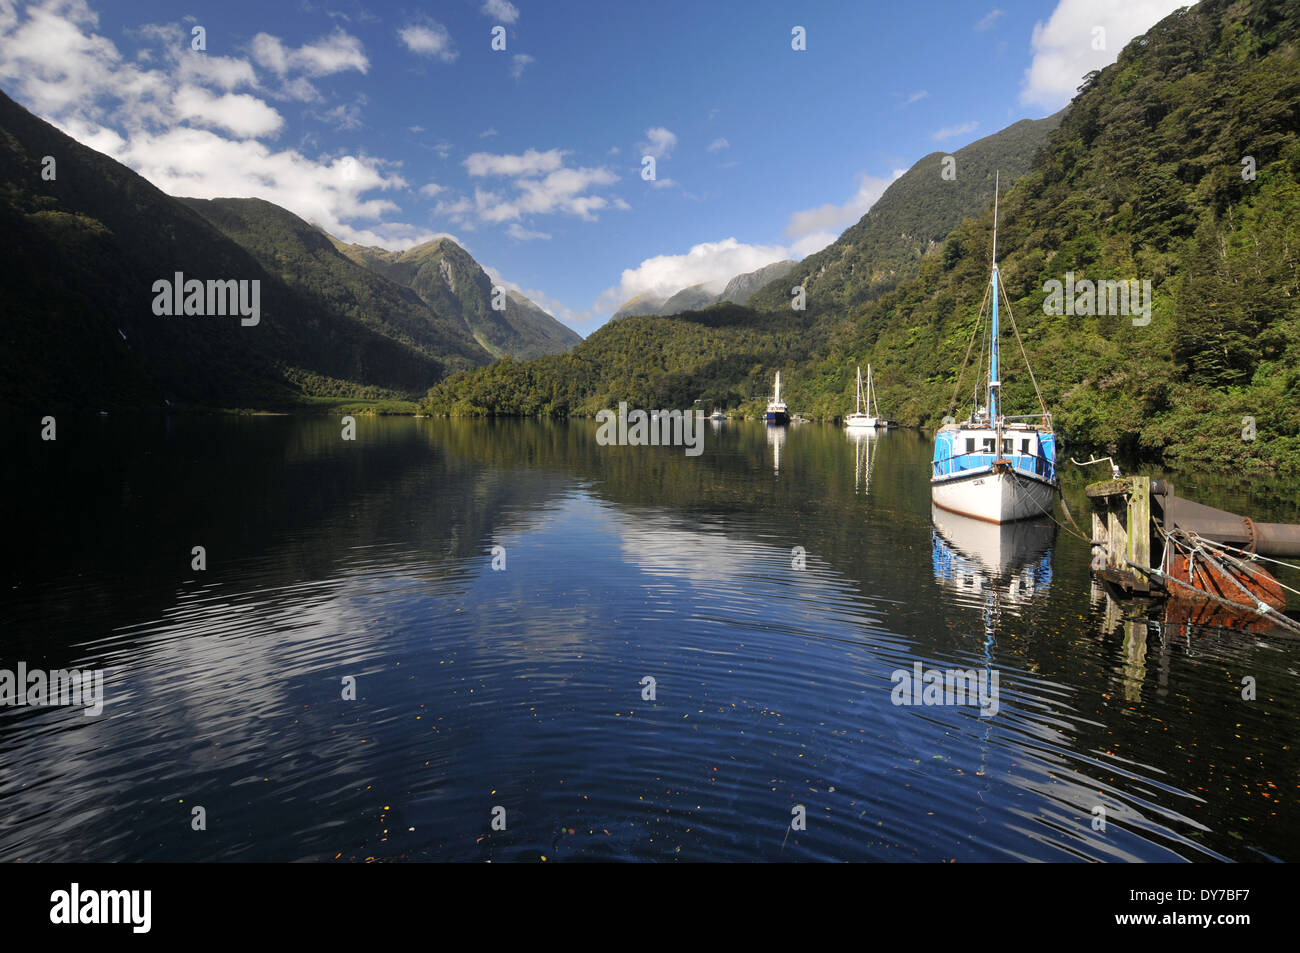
(867, 414)
(993, 467)
(776, 409)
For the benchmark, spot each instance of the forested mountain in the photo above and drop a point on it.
(84, 249)
(452, 284)
(305, 257)
(1178, 165)
(908, 222)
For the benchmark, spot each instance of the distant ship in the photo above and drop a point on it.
(776, 409)
(867, 415)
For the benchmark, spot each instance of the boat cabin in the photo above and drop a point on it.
(961, 448)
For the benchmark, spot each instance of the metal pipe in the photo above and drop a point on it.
(1230, 529)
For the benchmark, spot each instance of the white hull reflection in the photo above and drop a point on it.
(776, 440)
(975, 559)
(864, 456)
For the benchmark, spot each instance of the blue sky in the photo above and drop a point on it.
(390, 123)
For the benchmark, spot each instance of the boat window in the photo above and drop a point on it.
(970, 444)
(1024, 446)
(1008, 445)
(990, 445)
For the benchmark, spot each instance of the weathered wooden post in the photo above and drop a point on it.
(1121, 530)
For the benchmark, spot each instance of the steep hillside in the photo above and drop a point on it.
(307, 259)
(908, 221)
(1143, 180)
(84, 251)
(742, 288)
(451, 283)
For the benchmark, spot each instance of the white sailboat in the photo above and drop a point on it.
(867, 415)
(993, 467)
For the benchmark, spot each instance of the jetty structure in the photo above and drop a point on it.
(1147, 541)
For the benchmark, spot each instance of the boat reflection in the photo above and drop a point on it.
(776, 440)
(863, 441)
(975, 559)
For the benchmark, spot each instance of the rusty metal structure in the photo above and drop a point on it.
(1146, 540)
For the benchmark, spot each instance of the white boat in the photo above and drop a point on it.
(717, 415)
(993, 467)
(776, 409)
(868, 418)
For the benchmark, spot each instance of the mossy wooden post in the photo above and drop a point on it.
(1121, 527)
(1139, 528)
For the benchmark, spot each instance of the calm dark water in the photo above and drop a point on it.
(522, 688)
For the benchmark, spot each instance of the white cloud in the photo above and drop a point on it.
(1064, 46)
(990, 18)
(811, 226)
(224, 71)
(519, 63)
(915, 97)
(245, 116)
(659, 142)
(948, 132)
(432, 40)
(717, 145)
(342, 117)
(332, 54)
(503, 11)
(269, 53)
(530, 162)
(811, 243)
(519, 233)
(335, 53)
(488, 133)
(709, 263)
(540, 184)
(52, 61)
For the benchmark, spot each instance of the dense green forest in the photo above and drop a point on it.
(1178, 165)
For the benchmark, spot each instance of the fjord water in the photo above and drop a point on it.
(522, 688)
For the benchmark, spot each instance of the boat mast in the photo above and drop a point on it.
(994, 382)
(777, 398)
(859, 404)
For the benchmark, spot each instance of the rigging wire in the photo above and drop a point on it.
(965, 360)
(1042, 403)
